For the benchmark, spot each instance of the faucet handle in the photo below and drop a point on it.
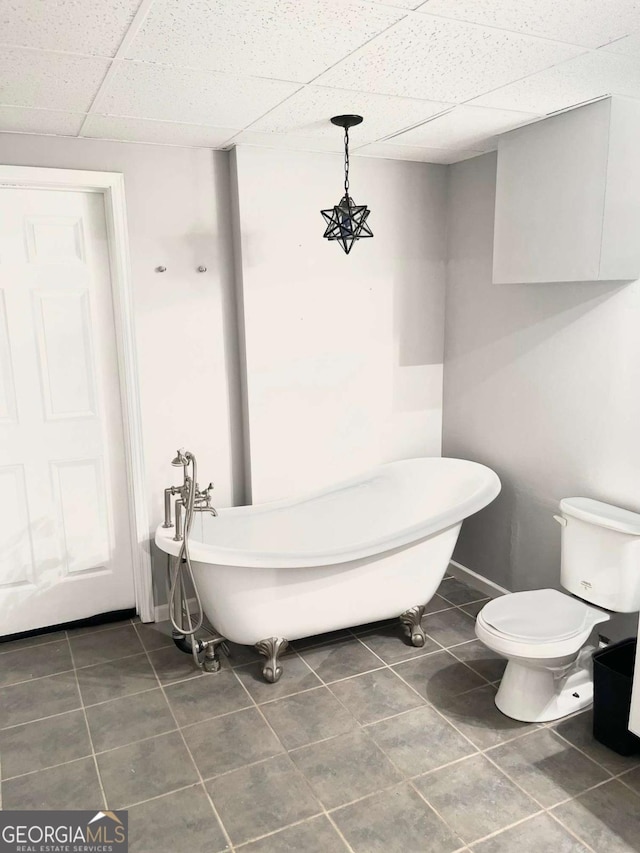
(205, 494)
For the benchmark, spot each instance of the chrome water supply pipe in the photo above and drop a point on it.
(190, 499)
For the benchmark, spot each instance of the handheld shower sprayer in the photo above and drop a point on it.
(190, 500)
(182, 458)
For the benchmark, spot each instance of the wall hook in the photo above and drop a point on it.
(202, 269)
(161, 269)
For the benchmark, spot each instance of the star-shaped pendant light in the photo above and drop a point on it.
(347, 221)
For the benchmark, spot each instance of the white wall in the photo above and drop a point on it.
(541, 383)
(178, 209)
(343, 353)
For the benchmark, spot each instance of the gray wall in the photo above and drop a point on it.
(178, 216)
(542, 383)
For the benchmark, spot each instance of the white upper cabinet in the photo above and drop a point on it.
(568, 197)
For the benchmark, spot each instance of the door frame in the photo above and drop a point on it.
(111, 186)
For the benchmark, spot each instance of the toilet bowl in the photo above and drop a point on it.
(544, 635)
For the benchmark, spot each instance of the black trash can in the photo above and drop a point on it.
(612, 682)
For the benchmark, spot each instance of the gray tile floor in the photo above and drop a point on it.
(366, 744)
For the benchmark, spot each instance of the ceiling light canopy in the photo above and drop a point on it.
(347, 221)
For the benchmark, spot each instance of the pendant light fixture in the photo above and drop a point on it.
(347, 221)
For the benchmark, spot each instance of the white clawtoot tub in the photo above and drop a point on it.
(373, 547)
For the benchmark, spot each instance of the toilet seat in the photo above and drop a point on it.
(542, 624)
(541, 616)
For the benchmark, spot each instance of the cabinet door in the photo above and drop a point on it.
(550, 198)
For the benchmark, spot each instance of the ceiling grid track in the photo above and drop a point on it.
(134, 27)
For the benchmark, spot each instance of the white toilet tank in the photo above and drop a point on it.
(601, 554)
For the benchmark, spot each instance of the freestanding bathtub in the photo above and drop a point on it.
(373, 547)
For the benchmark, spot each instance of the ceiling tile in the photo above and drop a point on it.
(159, 132)
(291, 142)
(309, 111)
(401, 4)
(629, 45)
(590, 23)
(412, 152)
(143, 90)
(583, 79)
(284, 39)
(463, 127)
(442, 60)
(57, 81)
(22, 120)
(78, 26)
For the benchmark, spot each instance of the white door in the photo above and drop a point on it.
(65, 544)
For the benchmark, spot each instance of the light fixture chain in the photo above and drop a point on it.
(346, 161)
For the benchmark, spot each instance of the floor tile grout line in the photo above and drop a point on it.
(362, 726)
(589, 758)
(250, 706)
(403, 776)
(73, 668)
(440, 648)
(107, 626)
(571, 832)
(132, 804)
(79, 706)
(112, 660)
(514, 781)
(404, 783)
(626, 784)
(42, 719)
(86, 722)
(340, 833)
(37, 678)
(190, 754)
(287, 752)
(437, 710)
(435, 810)
(505, 828)
(30, 647)
(580, 793)
(282, 829)
(390, 666)
(357, 675)
(586, 755)
(451, 650)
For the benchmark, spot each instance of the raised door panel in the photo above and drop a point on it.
(63, 327)
(16, 545)
(83, 514)
(8, 413)
(55, 239)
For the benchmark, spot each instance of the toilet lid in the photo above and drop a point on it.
(538, 616)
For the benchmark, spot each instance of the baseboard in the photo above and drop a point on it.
(493, 590)
(162, 610)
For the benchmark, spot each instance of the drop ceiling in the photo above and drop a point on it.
(436, 81)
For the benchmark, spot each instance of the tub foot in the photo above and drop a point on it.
(410, 621)
(272, 649)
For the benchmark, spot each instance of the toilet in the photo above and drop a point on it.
(547, 636)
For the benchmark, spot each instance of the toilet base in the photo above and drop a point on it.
(539, 695)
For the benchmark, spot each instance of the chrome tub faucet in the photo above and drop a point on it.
(200, 500)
